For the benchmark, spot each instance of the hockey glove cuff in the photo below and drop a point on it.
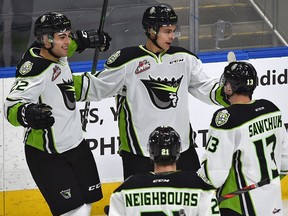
(92, 39)
(36, 116)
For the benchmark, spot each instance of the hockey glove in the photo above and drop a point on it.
(92, 39)
(36, 116)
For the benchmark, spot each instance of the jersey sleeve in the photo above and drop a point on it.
(116, 207)
(218, 156)
(104, 84)
(24, 90)
(205, 88)
(208, 205)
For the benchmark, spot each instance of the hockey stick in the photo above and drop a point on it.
(101, 27)
(243, 190)
(231, 57)
(94, 63)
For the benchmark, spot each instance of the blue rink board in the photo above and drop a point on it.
(207, 57)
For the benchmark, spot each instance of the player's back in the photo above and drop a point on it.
(249, 150)
(173, 193)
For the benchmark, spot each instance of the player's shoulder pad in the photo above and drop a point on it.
(32, 64)
(268, 104)
(124, 55)
(231, 117)
(129, 183)
(174, 50)
(188, 179)
(238, 114)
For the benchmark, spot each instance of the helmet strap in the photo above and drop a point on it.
(52, 53)
(50, 50)
(154, 40)
(50, 39)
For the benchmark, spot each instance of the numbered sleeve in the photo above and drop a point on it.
(23, 90)
(218, 156)
(208, 205)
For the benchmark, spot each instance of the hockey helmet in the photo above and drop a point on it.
(156, 16)
(50, 23)
(242, 76)
(164, 145)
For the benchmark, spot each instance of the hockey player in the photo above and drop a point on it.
(247, 144)
(152, 83)
(43, 101)
(164, 191)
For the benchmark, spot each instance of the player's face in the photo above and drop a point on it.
(165, 36)
(61, 42)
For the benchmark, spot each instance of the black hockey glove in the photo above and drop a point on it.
(36, 116)
(92, 39)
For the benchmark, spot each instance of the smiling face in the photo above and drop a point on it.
(59, 44)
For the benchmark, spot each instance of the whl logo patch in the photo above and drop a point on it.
(56, 72)
(142, 66)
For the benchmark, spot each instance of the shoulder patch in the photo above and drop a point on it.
(113, 57)
(26, 67)
(222, 117)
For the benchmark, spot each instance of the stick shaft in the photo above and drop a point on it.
(95, 61)
(243, 190)
(101, 27)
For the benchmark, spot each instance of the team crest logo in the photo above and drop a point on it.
(26, 68)
(68, 92)
(222, 117)
(66, 193)
(56, 72)
(163, 92)
(113, 57)
(142, 66)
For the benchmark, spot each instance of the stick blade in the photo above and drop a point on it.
(231, 57)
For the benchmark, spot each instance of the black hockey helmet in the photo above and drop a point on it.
(50, 23)
(242, 76)
(164, 145)
(156, 16)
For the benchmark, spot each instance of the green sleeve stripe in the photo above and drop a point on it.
(12, 115)
(78, 86)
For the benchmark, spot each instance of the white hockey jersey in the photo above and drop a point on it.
(39, 80)
(176, 193)
(152, 91)
(247, 144)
